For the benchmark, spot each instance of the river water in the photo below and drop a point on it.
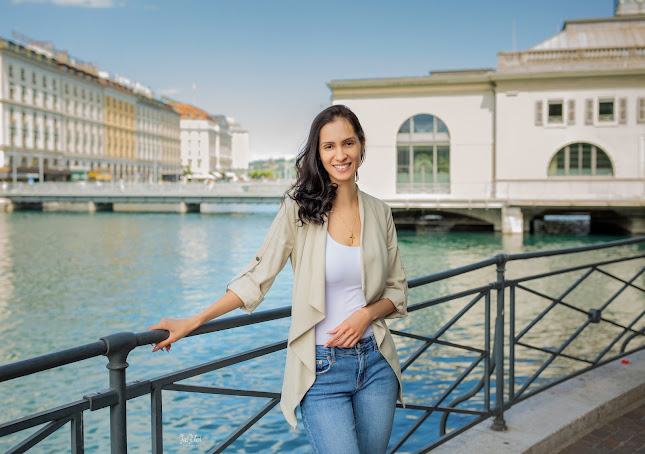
(70, 278)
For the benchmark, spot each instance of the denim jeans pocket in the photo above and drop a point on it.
(323, 364)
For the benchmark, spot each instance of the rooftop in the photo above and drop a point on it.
(190, 112)
(627, 31)
(604, 45)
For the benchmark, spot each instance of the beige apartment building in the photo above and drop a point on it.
(61, 121)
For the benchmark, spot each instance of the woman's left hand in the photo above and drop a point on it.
(350, 331)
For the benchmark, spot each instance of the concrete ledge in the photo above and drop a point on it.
(555, 418)
(179, 207)
(6, 205)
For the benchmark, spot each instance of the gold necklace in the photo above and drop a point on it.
(351, 231)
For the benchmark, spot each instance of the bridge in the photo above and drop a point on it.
(479, 375)
(178, 197)
(512, 207)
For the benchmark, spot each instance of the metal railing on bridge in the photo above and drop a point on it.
(493, 361)
(276, 188)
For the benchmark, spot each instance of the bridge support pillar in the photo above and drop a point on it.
(512, 220)
(636, 225)
(6, 205)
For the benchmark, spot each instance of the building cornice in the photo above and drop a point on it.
(442, 82)
(414, 86)
(600, 20)
(572, 74)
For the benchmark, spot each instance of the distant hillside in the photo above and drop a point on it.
(273, 168)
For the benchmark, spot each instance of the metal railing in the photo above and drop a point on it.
(493, 368)
(276, 188)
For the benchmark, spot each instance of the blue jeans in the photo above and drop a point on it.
(350, 407)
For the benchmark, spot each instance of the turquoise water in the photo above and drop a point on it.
(70, 278)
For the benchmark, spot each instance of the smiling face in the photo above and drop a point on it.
(340, 150)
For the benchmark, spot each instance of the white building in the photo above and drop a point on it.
(223, 145)
(555, 127)
(206, 141)
(240, 152)
(200, 140)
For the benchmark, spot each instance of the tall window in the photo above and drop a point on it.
(423, 156)
(12, 128)
(580, 159)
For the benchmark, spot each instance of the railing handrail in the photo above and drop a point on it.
(503, 258)
(100, 348)
(573, 249)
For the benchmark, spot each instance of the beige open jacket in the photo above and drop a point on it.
(382, 274)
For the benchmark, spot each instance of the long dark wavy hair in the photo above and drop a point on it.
(313, 190)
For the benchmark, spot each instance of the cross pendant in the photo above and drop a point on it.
(351, 237)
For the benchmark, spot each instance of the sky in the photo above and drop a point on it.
(267, 62)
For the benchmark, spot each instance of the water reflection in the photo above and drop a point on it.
(6, 271)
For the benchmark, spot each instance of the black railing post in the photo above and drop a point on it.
(77, 435)
(119, 346)
(499, 424)
(156, 420)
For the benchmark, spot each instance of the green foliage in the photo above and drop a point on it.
(258, 174)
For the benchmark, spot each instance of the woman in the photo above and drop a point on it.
(342, 367)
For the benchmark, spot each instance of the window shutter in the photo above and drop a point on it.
(589, 112)
(538, 113)
(571, 114)
(622, 111)
(640, 115)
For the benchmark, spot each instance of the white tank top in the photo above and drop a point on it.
(343, 288)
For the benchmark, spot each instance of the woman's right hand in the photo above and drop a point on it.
(177, 327)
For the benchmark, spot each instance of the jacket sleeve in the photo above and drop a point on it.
(396, 284)
(255, 280)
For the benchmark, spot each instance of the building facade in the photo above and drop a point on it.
(240, 152)
(157, 140)
(559, 125)
(59, 120)
(198, 139)
(206, 143)
(223, 147)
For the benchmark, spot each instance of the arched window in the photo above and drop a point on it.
(423, 156)
(580, 159)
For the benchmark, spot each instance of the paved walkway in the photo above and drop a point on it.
(547, 422)
(624, 435)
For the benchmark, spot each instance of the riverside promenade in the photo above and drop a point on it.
(622, 435)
